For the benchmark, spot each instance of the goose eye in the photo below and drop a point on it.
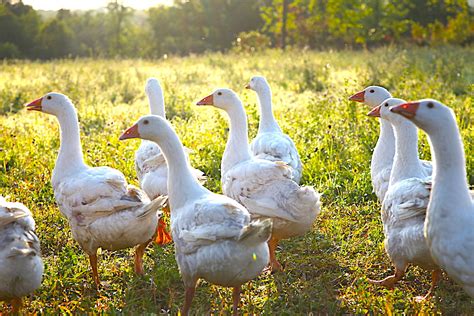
(386, 104)
(146, 122)
(49, 97)
(219, 93)
(430, 105)
(372, 91)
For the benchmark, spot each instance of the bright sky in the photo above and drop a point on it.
(91, 4)
(97, 4)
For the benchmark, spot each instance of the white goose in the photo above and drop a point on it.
(21, 267)
(404, 205)
(102, 210)
(213, 235)
(271, 143)
(450, 215)
(384, 151)
(150, 163)
(264, 187)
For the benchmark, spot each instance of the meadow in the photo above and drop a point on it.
(326, 270)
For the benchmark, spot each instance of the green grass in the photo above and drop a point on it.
(327, 269)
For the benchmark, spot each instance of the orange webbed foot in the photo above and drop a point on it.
(163, 237)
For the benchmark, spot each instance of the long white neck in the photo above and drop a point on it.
(182, 185)
(237, 147)
(449, 175)
(70, 157)
(384, 151)
(406, 163)
(267, 120)
(156, 102)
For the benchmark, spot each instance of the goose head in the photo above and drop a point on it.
(154, 93)
(52, 103)
(224, 99)
(427, 114)
(383, 111)
(148, 127)
(152, 85)
(372, 96)
(257, 83)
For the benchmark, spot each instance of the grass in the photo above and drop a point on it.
(327, 269)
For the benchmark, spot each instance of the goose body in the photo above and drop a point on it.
(103, 211)
(211, 242)
(403, 215)
(215, 238)
(268, 191)
(450, 213)
(384, 151)
(271, 143)
(264, 187)
(151, 168)
(406, 200)
(21, 266)
(150, 163)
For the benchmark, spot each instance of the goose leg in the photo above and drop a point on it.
(188, 299)
(139, 252)
(275, 266)
(163, 237)
(95, 273)
(435, 277)
(16, 305)
(389, 282)
(236, 300)
(166, 208)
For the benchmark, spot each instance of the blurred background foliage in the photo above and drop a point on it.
(196, 26)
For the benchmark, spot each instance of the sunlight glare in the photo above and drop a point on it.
(91, 4)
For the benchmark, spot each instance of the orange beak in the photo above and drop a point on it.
(407, 110)
(132, 132)
(209, 100)
(375, 112)
(35, 105)
(247, 86)
(358, 97)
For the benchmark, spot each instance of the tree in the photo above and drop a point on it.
(119, 16)
(280, 20)
(284, 17)
(19, 26)
(56, 39)
(195, 26)
(198, 25)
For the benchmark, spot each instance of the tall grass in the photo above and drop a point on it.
(326, 271)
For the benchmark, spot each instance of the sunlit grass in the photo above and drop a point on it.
(327, 269)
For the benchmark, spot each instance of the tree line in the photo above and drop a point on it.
(196, 26)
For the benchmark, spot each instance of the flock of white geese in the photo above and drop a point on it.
(427, 208)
